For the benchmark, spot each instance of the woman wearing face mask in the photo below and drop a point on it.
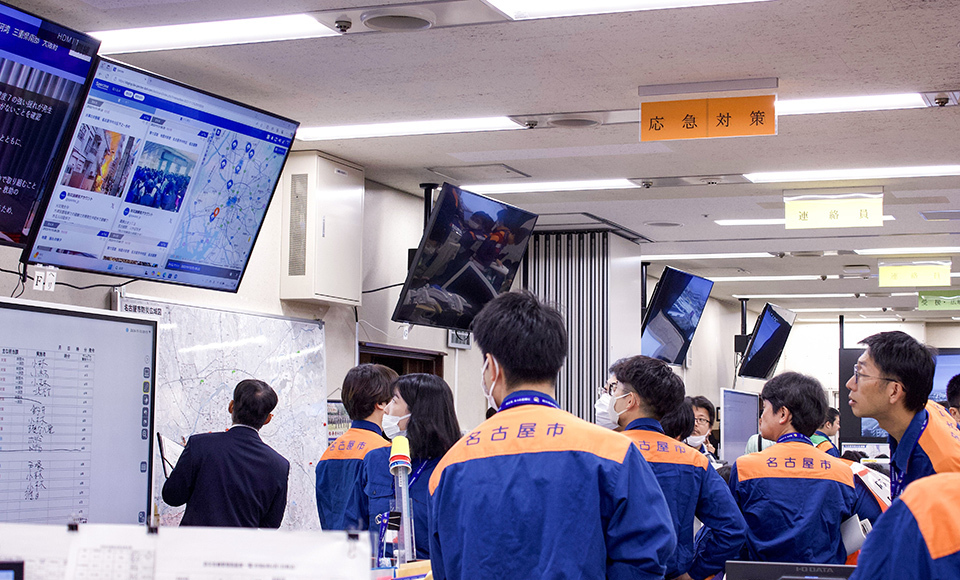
(422, 409)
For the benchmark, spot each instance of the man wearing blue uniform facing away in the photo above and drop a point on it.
(793, 496)
(535, 492)
(891, 382)
(918, 538)
(366, 391)
(641, 391)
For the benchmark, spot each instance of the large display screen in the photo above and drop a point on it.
(673, 315)
(767, 342)
(162, 182)
(468, 255)
(43, 70)
(76, 406)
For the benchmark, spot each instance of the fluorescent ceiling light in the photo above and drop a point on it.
(908, 251)
(901, 294)
(430, 127)
(850, 104)
(770, 221)
(197, 34)
(846, 174)
(791, 296)
(550, 186)
(730, 256)
(529, 9)
(796, 278)
(830, 320)
(810, 310)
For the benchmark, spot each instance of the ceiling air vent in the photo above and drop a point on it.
(398, 19)
(940, 216)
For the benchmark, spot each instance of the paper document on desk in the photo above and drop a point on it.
(44, 549)
(195, 553)
(112, 552)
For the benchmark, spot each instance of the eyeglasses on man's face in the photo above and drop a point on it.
(857, 375)
(608, 388)
(700, 421)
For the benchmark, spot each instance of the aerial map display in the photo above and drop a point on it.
(204, 353)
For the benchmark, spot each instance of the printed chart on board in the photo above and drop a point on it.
(204, 353)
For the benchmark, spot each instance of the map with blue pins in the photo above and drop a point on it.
(234, 183)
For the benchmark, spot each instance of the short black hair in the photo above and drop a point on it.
(702, 402)
(366, 386)
(679, 423)
(901, 357)
(527, 337)
(724, 472)
(953, 392)
(253, 401)
(832, 415)
(802, 395)
(659, 387)
(433, 426)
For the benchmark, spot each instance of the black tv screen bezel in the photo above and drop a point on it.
(70, 125)
(771, 308)
(52, 185)
(431, 223)
(658, 291)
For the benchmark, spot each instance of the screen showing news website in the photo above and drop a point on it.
(162, 182)
(42, 71)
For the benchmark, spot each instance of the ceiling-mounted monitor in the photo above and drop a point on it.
(767, 341)
(672, 317)
(44, 70)
(162, 182)
(468, 255)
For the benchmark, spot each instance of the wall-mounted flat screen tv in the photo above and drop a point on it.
(161, 182)
(44, 71)
(672, 317)
(767, 341)
(469, 254)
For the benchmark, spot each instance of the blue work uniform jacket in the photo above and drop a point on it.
(823, 443)
(535, 492)
(918, 538)
(794, 498)
(371, 498)
(692, 488)
(338, 473)
(931, 444)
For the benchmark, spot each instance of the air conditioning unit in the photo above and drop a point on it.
(322, 229)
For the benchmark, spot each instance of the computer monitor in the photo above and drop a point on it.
(44, 71)
(739, 420)
(161, 182)
(469, 254)
(672, 317)
(736, 570)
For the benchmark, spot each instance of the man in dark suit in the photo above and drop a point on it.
(233, 478)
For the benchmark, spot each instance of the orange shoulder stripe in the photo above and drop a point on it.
(354, 444)
(935, 503)
(533, 429)
(941, 441)
(793, 460)
(658, 448)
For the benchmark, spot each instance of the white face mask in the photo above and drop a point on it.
(391, 425)
(606, 414)
(696, 440)
(488, 395)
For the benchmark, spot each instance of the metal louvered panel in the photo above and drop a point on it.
(571, 271)
(297, 263)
